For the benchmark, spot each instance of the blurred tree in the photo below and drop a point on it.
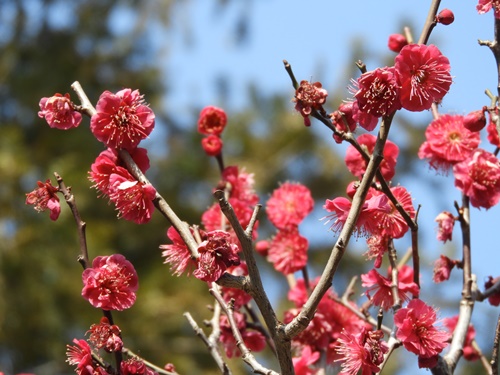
(108, 45)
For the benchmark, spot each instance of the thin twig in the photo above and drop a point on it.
(494, 353)
(468, 289)
(211, 346)
(367, 318)
(246, 354)
(430, 22)
(494, 289)
(83, 258)
(484, 361)
(393, 257)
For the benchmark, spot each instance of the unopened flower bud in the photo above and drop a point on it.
(475, 121)
(445, 17)
(396, 42)
(351, 188)
(212, 120)
(212, 145)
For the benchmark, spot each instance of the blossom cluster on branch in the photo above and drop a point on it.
(320, 328)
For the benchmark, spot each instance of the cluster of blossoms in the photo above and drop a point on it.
(219, 247)
(379, 218)
(331, 321)
(452, 144)
(420, 77)
(88, 362)
(286, 209)
(120, 121)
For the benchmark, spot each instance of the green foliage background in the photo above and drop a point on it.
(40, 280)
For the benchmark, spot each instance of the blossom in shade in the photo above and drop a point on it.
(133, 199)
(377, 246)
(442, 269)
(357, 164)
(363, 351)
(289, 205)
(59, 112)
(309, 96)
(485, 6)
(135, 366)
(45, 197)
(288, 251)
(177, 254)
(299, 293)
(302, 363)
(254, 340)
(493, 299)
(469, 352)
(417, 332)
(476, 120)
(382, 287)
(216, 254)
(329, 320)
(423, 74)
(478, 177)
(239, 297)
(122, 119)
(445, 17)
(396, 42)
(106, 336)
(241, 184)
(212, 145)
(448, 142)
(212, 121)
(366, 120)
(80, 355)
(213, 218)
(445, 221)
(378, 92)
(343, 119)
(111, 283)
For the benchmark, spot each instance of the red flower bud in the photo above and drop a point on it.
(212, 145)
(445, 17)
(475, 121)
(396, 42)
